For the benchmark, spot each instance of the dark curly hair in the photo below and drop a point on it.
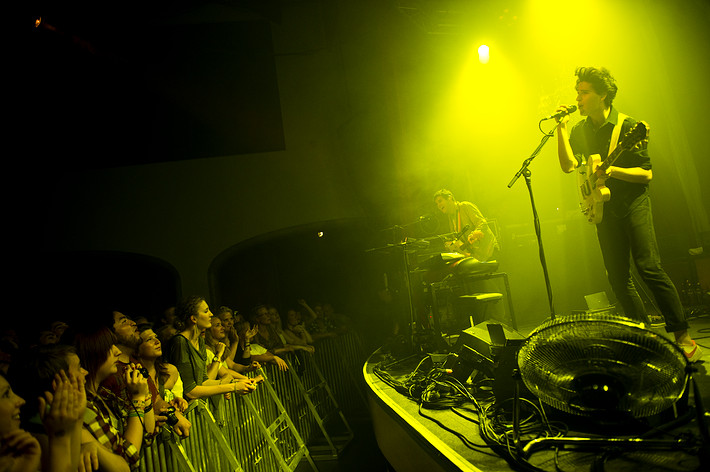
(601, 80)
(444, 193)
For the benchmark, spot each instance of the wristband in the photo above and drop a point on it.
(138, 404)
(136, 414)
(148, 408)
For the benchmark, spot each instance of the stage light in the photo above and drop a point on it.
(320, 234)
(483, 54)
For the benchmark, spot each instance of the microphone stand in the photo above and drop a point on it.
(525, 171)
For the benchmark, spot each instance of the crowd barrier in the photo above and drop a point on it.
(293, 415)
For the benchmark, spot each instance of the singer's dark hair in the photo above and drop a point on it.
(445, 194)
(601, 80)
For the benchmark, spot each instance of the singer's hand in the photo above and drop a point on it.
(562, 120)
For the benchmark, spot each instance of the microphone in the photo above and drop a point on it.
(560, 114)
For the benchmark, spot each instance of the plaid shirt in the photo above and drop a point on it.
(104, 425)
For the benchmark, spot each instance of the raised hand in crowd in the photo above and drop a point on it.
(61, 413)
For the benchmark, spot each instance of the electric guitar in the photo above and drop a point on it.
(465, 243)
(593, 192)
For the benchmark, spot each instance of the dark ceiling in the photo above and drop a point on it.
(122, 84)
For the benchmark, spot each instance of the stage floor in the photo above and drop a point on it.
(413, 438)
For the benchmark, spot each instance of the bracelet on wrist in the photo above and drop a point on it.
(148, 408)
(138, 404)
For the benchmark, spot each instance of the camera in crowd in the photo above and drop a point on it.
(172, 417)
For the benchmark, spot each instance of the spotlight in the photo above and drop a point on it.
(320, 234)
(483, 54)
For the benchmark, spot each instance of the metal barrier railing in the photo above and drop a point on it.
(272, 428)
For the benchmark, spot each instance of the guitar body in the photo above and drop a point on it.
(593, 193)
(467, 243)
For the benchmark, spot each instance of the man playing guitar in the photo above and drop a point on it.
(475, 236)
(626, 227)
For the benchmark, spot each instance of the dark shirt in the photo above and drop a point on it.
(585, 141)
(274, 340)
(190, 362)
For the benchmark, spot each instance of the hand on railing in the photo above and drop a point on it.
(183, 425)
(179, 403)
(244, 386)
(281, 363)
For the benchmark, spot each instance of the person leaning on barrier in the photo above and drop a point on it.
(229, 318)
(277, 325)
(255, 352)
(294, 330)
(318, 325)
(163, 374)
(266, 335)
(215, 338)
(188, 352)
(238, 337)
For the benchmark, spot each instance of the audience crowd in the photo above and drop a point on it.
(89, 393)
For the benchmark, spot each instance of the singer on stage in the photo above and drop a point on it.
(626, 228)
(465, 219)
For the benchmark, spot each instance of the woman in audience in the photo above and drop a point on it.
(19, 450)
(215, 338)
(188, 352)
(267, 336)
(165, 375)
(229, 318)
(57, 369)
(237, 339)
(278, 327)
(114, 428)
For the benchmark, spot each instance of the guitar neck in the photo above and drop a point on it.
(606, 163)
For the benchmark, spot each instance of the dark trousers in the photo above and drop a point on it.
(633, 237)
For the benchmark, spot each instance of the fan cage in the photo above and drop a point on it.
(589, 364)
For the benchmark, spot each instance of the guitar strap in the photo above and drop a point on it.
(616, 133)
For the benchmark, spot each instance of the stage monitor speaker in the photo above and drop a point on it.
(488, 350)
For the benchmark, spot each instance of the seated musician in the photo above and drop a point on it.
(465, 219)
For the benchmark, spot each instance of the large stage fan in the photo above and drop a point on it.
(594, 365)
(608, 369)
